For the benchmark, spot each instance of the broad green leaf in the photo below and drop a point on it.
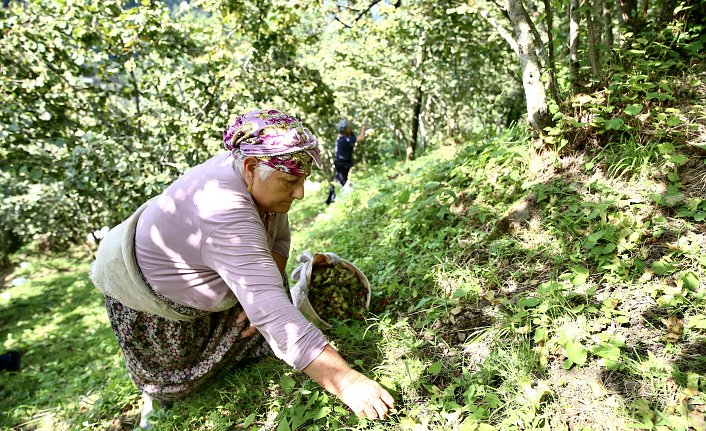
(407, 423)
(678, 159)
(461, 292)
(672, 199)
(297, 421)
(607, 351)
(283, 425)
(665, 148)
(690, 281)
(470, 424)
(434, 368)
(576, 352)
(568, 363)
(528, 302)
(674, 121)
(697, 321)
(403, 197)
(633, 109)
(493, 400)
(287, 383)
(661, 268)
(581, 275)
(693, 203)
(249, 420)
(614, 124)
(322, 413)
(594, 237)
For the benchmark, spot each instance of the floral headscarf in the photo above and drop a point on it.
(277, 139)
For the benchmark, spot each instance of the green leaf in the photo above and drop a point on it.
(493, 400)
(568, 363)
(661, 268)
(297, 421)
(607, 351)
(287, 383)
(678, 159)
(665, 148)
(283, 425)
(633, 109)
(697, 322)
(581, 275)
(690, 281)
(614, 124)
(249, 420)
(470, 424)
(674, 121)
(403, 197)
(576, 352)
(528, 302)
(434, 368)
(674, 198)
(322, 413)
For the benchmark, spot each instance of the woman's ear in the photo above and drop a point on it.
(249, 166)
(250, 170)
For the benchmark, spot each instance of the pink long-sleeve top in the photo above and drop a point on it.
(202, 243)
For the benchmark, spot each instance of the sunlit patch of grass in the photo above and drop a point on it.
(72, 373)
(629, 158)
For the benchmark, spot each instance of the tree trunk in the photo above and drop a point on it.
(608, 23)
(535, 95)
(416, 112)
(574, 20)
(667, 12)
(642, 10)
(540, 31)
(551, 61)
(591, 38)
(418, 95)
(597, 17)
(628, 10)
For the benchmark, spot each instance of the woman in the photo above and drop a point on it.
(186, 273)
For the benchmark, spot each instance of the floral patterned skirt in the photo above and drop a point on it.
(169, 359)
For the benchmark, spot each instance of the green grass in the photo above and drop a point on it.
(511, 290)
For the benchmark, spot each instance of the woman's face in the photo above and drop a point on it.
(275, 193)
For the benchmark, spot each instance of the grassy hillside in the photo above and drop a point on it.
(513, 288)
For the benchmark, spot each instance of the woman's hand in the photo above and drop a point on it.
(364, 396)
(240, 324)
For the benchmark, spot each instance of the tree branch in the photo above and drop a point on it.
(501, 30)
(360, 13)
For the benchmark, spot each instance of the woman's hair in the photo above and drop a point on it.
(263, 170)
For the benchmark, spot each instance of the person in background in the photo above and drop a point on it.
(194, 281)
(343, 156)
